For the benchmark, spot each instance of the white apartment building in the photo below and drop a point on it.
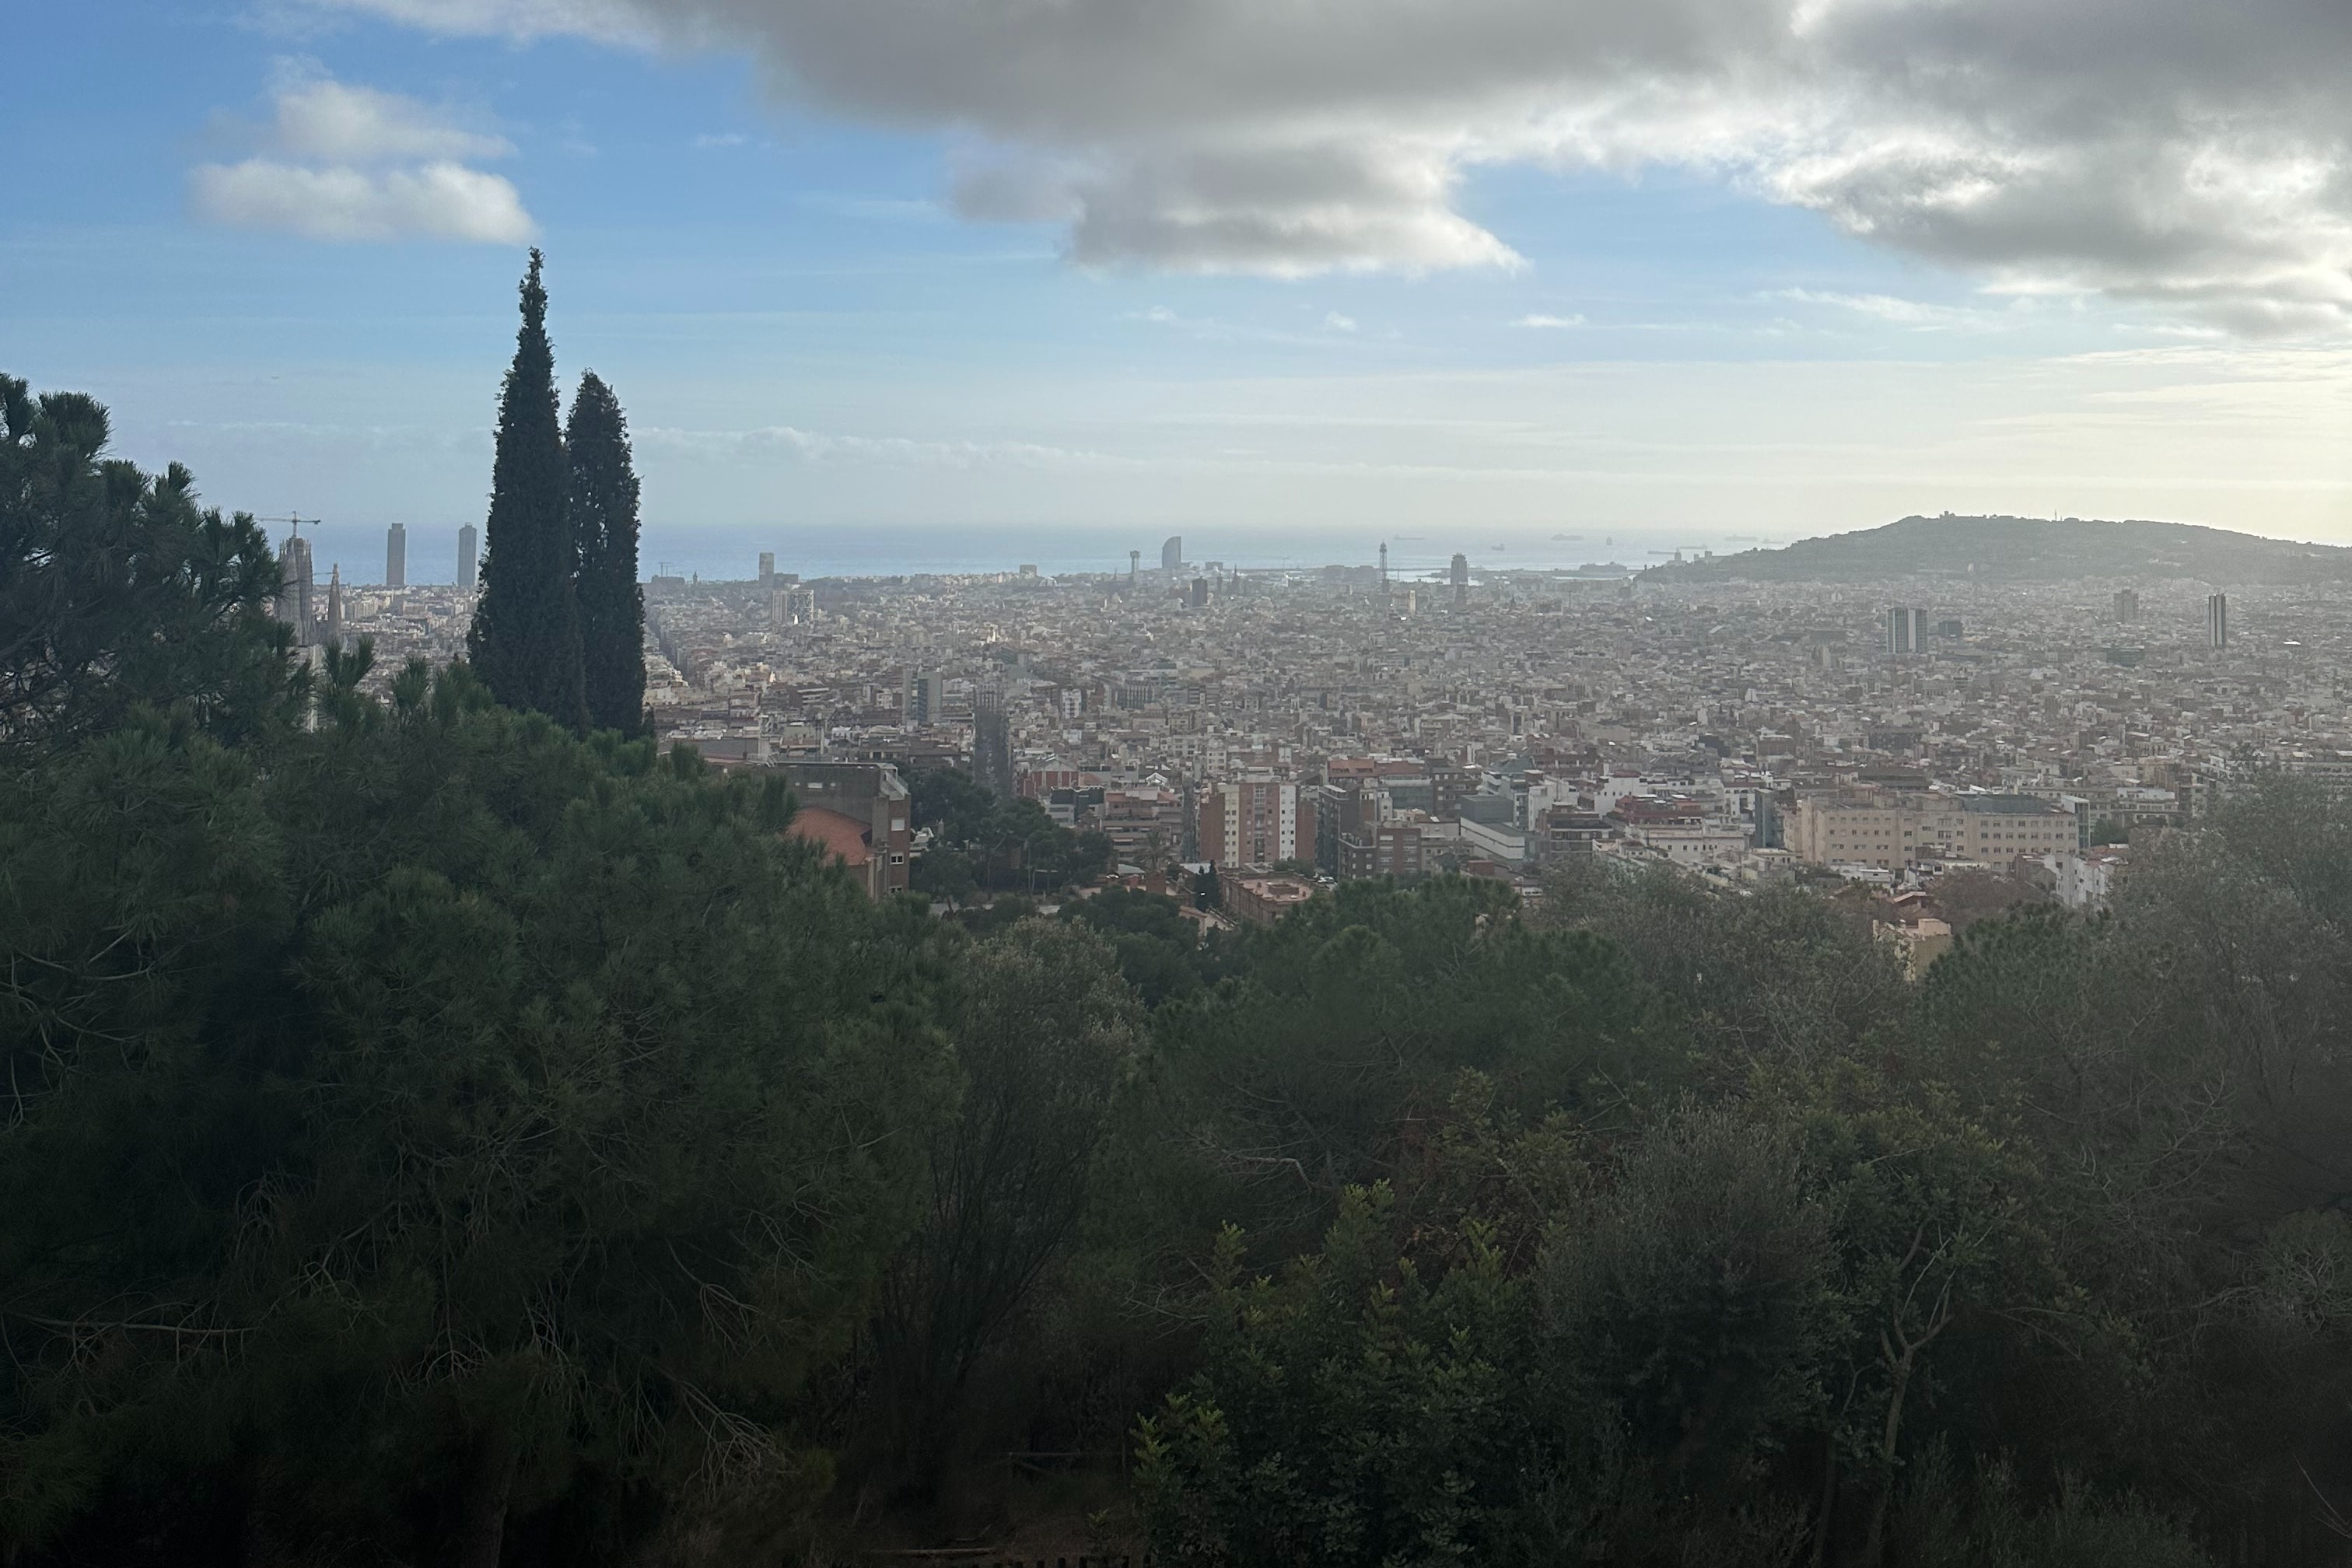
(1892, 829)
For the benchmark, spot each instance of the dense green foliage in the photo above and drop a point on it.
(981, 841)
(526, 637)
(1776, 1256)
(434, 1135)
(604, 517)
(1162, 953)
(116, 590)
(524, 1106)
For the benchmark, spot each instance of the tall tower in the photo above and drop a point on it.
(992, 741)
(1384, 565)
(1134, 566)
(1906, 632)
(1172, 554)
(2126, 606)
(767, 569)
(468, 577)
(294, 598)
(2217, 620)
(396, 556)
(1461, 575)
(335, 606)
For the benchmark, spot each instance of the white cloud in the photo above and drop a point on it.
(824, 447)
(721, 139)
(335, 122)
(2191, 157)
(1334, 321)
(438, 201)
(1551, 323)
(1914, 314)
(347, 163)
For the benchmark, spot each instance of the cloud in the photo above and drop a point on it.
(824, 447)
(334, 123)
(721, 139)
(347, 163)
(1913, 314)
(1550, 323)
(1335, 322)
(439, 201)
(2172, 154)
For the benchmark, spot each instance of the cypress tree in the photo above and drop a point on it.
(525, 639)
(604, 523)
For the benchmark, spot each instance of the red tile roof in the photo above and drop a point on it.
(843, 836)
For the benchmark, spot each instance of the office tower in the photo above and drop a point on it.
(925, 696)
(1461, 578)
(2127, 605)
(396, 556)
(294, 597)
(1199, 593)
(1906, 632)
(1172, 554)
(992, 742)
(467, 537)
(2217, 620)
(767, 569)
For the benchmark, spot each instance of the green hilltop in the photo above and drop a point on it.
(2023, 550)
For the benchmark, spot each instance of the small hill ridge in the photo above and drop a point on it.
(2024, 550)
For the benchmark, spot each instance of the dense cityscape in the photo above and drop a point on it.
(1488, 724)
(1383, 784)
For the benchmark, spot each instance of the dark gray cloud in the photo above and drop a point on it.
(2194, 155)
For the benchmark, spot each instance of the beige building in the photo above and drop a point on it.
(1892, 829)
(1916, 942)
(1255, 821)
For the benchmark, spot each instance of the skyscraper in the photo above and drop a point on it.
(1906, 632)
(1172, 554)
(2217, 620)
(396, 556)
(2126, 606)
(1461, 579)
(992, 742)
(767, 569)
(925, 696)
(468, 577)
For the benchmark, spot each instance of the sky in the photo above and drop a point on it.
(942, 279)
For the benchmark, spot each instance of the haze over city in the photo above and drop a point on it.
(1176, 784)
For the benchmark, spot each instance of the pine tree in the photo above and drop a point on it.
(525, 640)
(604, 524)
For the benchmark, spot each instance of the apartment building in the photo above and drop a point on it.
(1255, 822)
(1891, 829)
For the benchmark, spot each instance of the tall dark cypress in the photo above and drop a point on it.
(525, 639)
(604, 524)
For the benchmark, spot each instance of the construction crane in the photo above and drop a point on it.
(293, 522)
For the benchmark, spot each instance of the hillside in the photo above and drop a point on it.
(2024, 550)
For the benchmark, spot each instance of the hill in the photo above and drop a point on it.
(2024, 550)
